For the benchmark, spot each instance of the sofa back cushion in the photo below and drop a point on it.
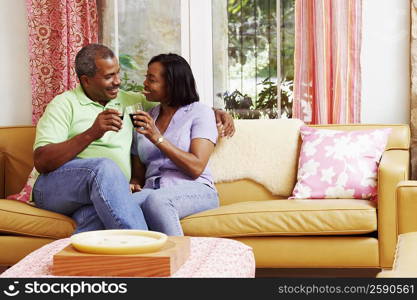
(265, 151)
(16, 158)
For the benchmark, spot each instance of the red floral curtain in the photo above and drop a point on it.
(58, 29)
(327, 75)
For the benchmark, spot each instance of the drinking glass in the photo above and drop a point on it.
(121, 110)
(132, 110)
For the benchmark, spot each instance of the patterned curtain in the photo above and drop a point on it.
(413, 104)
(327, 81)
(58, 29)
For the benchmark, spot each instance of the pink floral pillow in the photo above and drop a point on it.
(25, 195)
(339, 164)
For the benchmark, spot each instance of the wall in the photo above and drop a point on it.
(385, 61)
(16, 107)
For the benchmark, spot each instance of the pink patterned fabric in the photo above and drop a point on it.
(339, 164)
(58, 29)
(209, 257)
(25, 194)
(327, 76)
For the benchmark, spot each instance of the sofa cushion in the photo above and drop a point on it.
(16, 147)
(18, 218)
(339, 164)
(284, 218)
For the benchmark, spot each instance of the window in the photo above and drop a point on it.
(246, 77)
(138, 30)
(240, 57)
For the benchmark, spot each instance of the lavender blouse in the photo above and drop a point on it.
(195, 120)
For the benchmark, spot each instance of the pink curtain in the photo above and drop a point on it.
(58, 29)
(327, 77)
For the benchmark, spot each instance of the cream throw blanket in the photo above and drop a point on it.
(265, 151)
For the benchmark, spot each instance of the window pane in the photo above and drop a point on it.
(145, 28)
(245, 56)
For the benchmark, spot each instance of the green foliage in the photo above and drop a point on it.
(130, 85)
(267, 99)
(241, 106)
(253, 34)
(237, 100)
(287, 96)
(127, 63)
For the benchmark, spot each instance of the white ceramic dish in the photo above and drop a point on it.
(113, 241)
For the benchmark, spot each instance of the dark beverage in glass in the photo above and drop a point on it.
(133, 121)
(134, 110)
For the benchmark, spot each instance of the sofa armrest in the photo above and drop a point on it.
(393, 168)
(406, 206)
(2, 177)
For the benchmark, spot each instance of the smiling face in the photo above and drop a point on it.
(155, 88)
(104, 85)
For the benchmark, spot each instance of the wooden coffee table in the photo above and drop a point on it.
(209, 257)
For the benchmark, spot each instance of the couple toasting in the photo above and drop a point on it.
(107, 174)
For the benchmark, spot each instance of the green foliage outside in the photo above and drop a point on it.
(252, 36)
(241, 106)
(128, 63)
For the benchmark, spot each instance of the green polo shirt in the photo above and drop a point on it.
(72, 113)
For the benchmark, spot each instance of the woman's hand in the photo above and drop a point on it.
(147, 126)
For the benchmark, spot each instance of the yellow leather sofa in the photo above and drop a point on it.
(405, 262)
(332, 233)
(23, 228)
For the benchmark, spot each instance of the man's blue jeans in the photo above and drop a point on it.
(164, 207)
(93, 191)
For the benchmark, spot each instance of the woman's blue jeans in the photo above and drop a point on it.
(164, 207)
(93, 191)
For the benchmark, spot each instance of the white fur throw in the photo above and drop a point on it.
(262, 150)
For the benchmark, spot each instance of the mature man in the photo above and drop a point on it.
(82, 148)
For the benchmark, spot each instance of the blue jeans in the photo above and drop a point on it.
(93, 191)
(164, 207)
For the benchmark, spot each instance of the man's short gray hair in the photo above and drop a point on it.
(85, 60)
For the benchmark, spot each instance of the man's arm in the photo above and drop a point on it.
(138, 174)
(50, 157)
(224, 122)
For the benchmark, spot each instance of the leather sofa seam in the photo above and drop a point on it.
(30, 234)
(269, 212)
(35, 216)
(286, 234)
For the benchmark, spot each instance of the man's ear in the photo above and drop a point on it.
(84, 80)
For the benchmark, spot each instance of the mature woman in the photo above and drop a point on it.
(172, 146)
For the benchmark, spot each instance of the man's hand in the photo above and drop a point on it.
(50, 157)
(135, 187)
(107, 120)
(224, 122)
